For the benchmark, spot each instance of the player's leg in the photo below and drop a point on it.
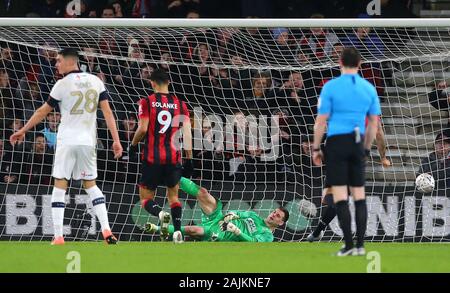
(337, 174)
(147, 195)
(62, 171)
(85, 169)
(357, 182)
(150, 179)
(172, 175)
(192, 231)
(98, 203)
(58, 207)
(327, 216)
(207, 202)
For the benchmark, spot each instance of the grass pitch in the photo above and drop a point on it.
(219, 257)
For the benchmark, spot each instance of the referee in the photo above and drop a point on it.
(344, 104)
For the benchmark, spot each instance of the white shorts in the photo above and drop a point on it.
(75, 161)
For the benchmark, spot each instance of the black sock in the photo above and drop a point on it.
(327, 217)
(175, 210)
(361, 221)
(345, 220)
(151, 206)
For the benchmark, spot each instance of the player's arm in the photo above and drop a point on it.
(111, 123)
(373, 117)
(141, 131)
(187, 138)
(371, 131)
(324, 110)
(188, 166)
(37, 117)
(232, 228)
(381, 145)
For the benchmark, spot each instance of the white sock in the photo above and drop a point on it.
(98, 201)
(58, 205)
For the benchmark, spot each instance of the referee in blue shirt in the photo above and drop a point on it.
(344, 104)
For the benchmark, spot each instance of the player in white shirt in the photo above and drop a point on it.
(78, 95)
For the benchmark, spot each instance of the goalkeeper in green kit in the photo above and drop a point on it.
(245, 226)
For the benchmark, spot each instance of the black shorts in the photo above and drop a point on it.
(345, 160)
(154, 175)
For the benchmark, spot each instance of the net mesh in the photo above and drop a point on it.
(234, 75)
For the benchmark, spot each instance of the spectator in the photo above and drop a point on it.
(143, 86)
(39, 167)
(282, 50)
(311, 174)
(46, 74)
(193, 14)
(108, 12)
(300, 100)
(48, 8)
(88, 61)
(183, 8)
(12, 163)
(142, 8)
(51, 129)
(366, 41)
(209, 164)
(289, 142)
(6, 102)
(127, 128)
(438, 162)
(117, 9)
(439, 98)
(14, 68)
(262, 99)
(28, 96)
(316, 44)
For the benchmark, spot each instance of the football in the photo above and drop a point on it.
(425, 183)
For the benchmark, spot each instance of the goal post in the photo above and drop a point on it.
(252, 87)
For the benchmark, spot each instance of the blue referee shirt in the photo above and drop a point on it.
(348, 100)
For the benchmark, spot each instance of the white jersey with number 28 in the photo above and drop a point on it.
(78, 96)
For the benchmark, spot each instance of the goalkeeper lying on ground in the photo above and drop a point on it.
(244, 226)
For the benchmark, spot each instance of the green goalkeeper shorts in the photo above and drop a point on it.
(210, 223)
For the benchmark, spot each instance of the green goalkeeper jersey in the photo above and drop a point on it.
(250, 224)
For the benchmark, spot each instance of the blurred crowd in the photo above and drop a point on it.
(223, 71)
(201, 8)
(227, 72)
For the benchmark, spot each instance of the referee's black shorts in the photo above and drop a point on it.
(154, 175)
(345, 161)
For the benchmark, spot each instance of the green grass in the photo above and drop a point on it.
(219, 257)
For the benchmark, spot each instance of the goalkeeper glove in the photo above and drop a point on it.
(132, 150)
(230, 227)
(188, 168)
(230, 216)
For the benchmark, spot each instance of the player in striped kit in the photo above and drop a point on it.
(160, 116)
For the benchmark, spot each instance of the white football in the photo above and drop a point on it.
(425, 183)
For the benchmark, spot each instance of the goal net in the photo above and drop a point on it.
(252, 87)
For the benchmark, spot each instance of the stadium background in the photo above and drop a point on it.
(25, 85)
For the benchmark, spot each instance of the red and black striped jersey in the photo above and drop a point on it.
(166, 113)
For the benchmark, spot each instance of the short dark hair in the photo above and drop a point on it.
(286, 213)
(110, 7)
(350, 57)
(39, 134)
(159, 76)
(69, 52)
